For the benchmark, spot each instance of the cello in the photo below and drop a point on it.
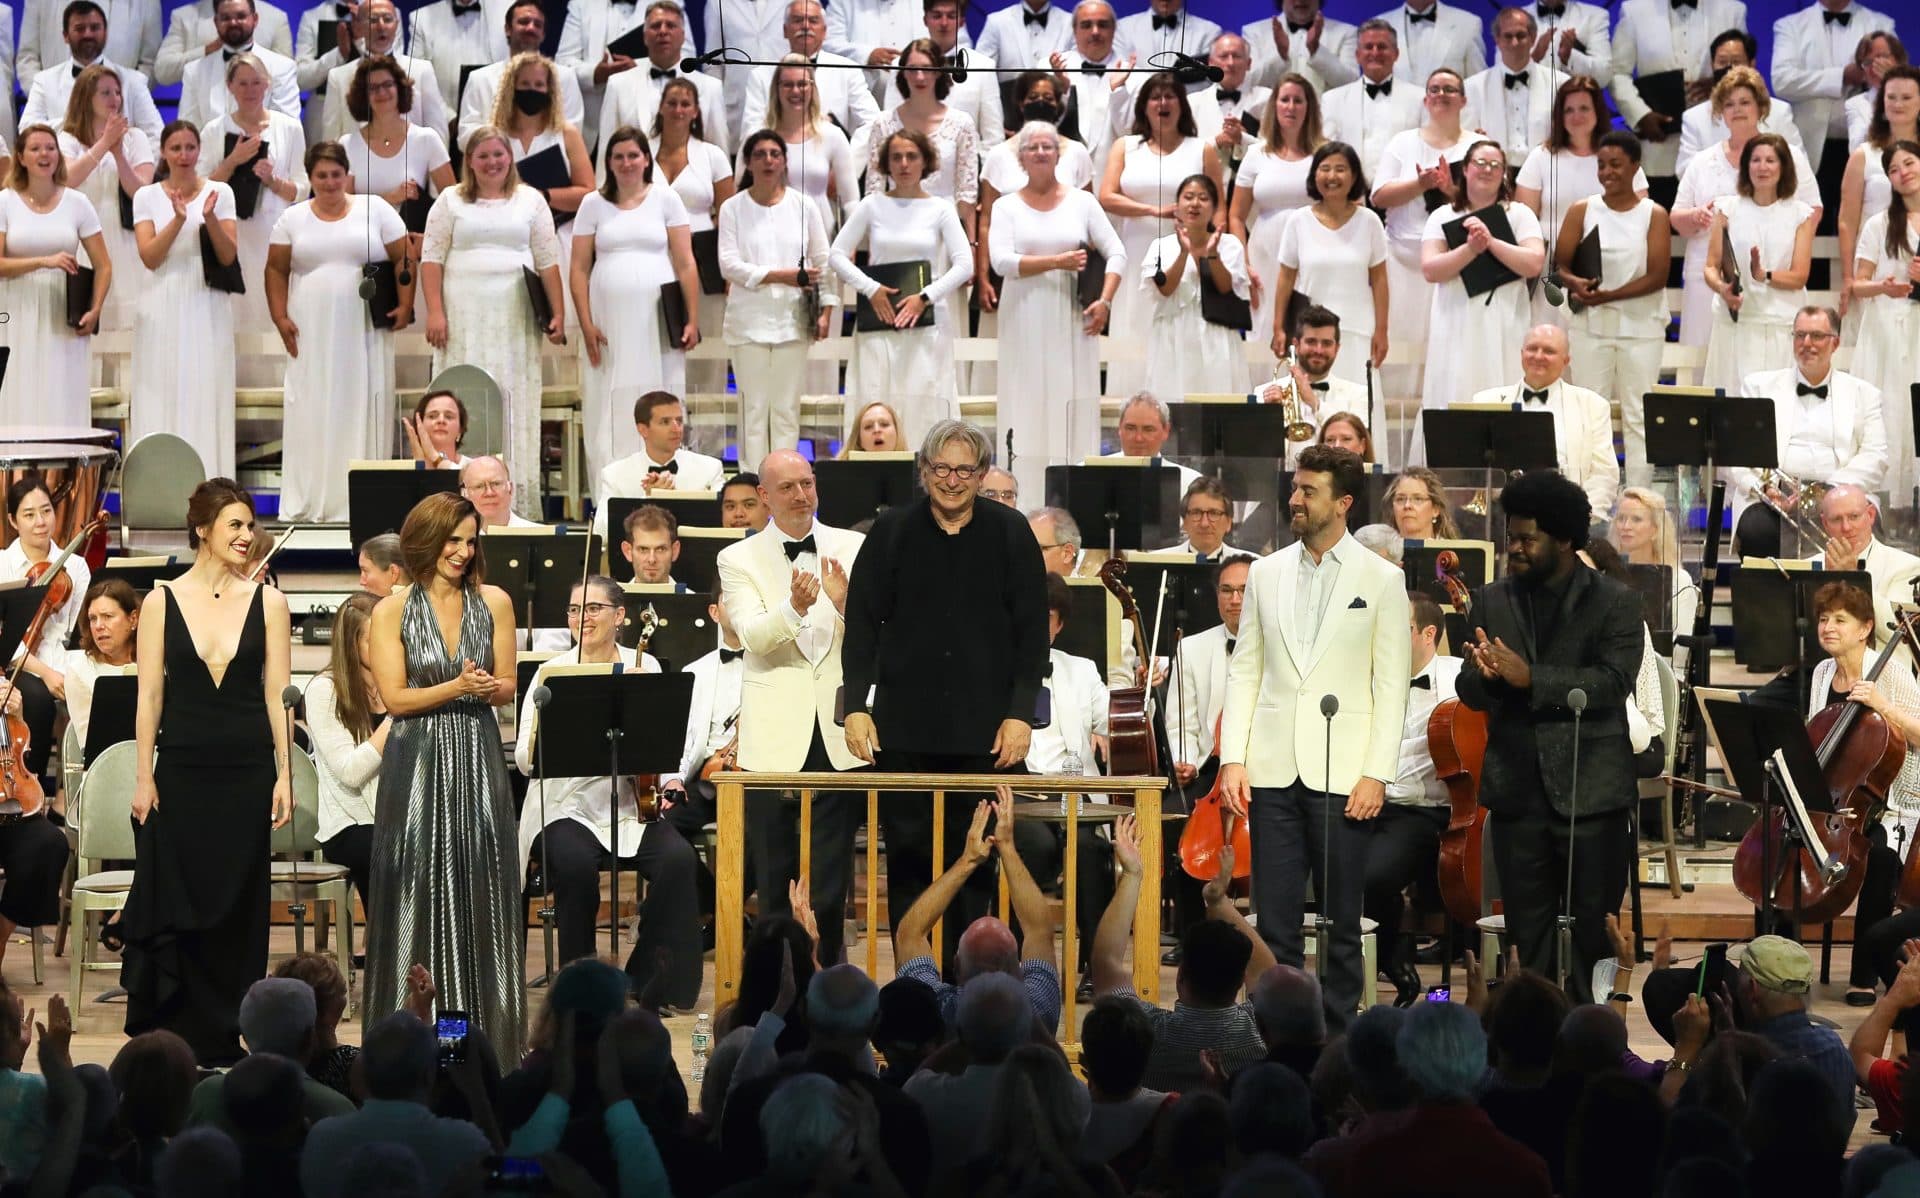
(1860, 755)
(1457, 742)
(1209, 827)
(1130, 744)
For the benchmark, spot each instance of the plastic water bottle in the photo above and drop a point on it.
(702, 1044)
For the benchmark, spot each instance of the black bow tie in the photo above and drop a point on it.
(1029, 17)
(1680, 4)
(1092, 68)
(77, 70)
(1322, 385)
(1423, 682)
(1514, 80)
(1842, 19)
(461, 10)
(662, 72)
(727, 655)
(227, 55)
(672, 467)
(1231, 642)
(1166, 22)
(1292, 28)
(1556, 11)
(1227, 95)
(1431, 17)
(1376, 90)
(1529, 395)
(796, 548)
(1819, 392)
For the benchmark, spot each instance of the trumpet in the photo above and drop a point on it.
(1802, 503)
(1285, 392)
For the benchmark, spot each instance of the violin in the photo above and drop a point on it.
(1860, 755)
(1130, 744)
(646, 787)
(1457, 742)
(21, 794)
(1210, 827)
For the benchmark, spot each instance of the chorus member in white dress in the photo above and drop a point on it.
(1049, 343)
(819, 157)
(110, 619)
(339, 388)
(701, 174)
(1335, 253)
(875, 428)
(773, 249)
(108, 159)
(1772, 238)
(435, 430)
(1143, 174)
(44, 226)
(187, 394)
(1864, 189)
(629, 241)
(1617, 338)
(525, 112)
(1642, 530)
(1885, 273)
(1564, 171)
(979, 94)
(480, 237)
(40, 676)
(348, 724)
(923, 108)
(1415, 163)
(1271, 185)
(281, 175)
(389, 155)
(1701, 130)
(1186, 353)
(1473, 341)
(910, 365)
(1740, 100)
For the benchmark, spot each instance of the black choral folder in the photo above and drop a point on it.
(906, 278)
(673, 315)
(79, 295)
(1585, 265)
(386, 294)
(221, 276)
(537, 299)
(1093, 276)
(1485, 273)
(1730, 268)
(1224, 308)
(706, 259)
(631, 44)
(245, 184)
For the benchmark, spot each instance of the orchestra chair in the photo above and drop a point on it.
(157, 478)
(485, 404)
(300, 874)
(72, 770)
(1655, 788)
(1369, 955)
(105, 834)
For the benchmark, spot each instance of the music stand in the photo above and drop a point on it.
(698, 508)
(1773, 611)
(683, 631)
(145, 573)
(1768, 755)
(607, 721)
(1694, 426)
(116, 703)
(1237, 443)
(860, 487)
(1130, 506)
(538, 569)
(1489, 437)
(1655, 584)
(1092, 628)
(1190, 605)
(380, 493)
(697, 567)
(1417, 562)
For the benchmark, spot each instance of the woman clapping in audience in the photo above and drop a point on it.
(264, 162)
(44, 224)
(1186, 352)
(108, 160)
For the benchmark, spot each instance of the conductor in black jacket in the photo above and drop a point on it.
(1552, 627)
(945, 654)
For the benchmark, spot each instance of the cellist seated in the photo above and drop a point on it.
(1405, 840)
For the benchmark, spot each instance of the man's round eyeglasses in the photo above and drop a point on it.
(1206, 513)
(965, 474)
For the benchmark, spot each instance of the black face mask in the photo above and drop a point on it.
(1040, 110)
(529, 101)
(1720, 73)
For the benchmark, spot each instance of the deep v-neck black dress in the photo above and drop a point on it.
(195, 925)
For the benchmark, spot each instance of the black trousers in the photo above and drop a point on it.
(690, 818)
(669, 918)
(352, 846)
(1530, 851)
(33, 851)
(1299, 832)
(1043, 848)
(1402, 849)
(1874, 906)
(39, 710)
(907, 821)
(773, 823)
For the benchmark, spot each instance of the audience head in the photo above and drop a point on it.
(321, 974)
(1443, 1050)
(843, 1007)
(1523, 1021)
(111, 620)
(992, 1017)
(1776, 975)
(1703, 1177)
(1271, 1177)
(1592, 1039)
(486, 483)
(807, 1130)
(721, 1063)
(740, 505)
(1034, 1115)
(381, 566)
(398, 1058)
(1547, 523)
(909, 1025)
(1695, 1133)
(1058, 535)
(1383, 540)
(774, 939)
(1380, 1082)
(1615, 1112)
(1722, 1077)
(1115, 1043)
(644, 1049)
(265, 1095)
(788, 491)
(1193, 1150)
(1288, 1007)
(441, 540)
(1271, 1110)
(201, 1162)
(987, 946)
(650, 541)
(384, 1170)
(1145, 423)
(1791, 1115)
(277, 1016)
(1001, 487)
(154, 1073)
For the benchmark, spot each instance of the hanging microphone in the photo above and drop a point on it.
(1555, 293)
(368, 289)
(1189, 70)
(404, 275)
(712, 57)
(540, 695)
(958, 71)
(290, 697)
(1330, 705)
(1577, 699)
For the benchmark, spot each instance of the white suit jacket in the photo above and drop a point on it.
(1007, 38)
(452, 40)
(1333, 63)
(1857, 418)
(1196, 692)
(1652, 37)
(47, 102)
(1701, 130)
(1808, 61)
(1455, 39)
(856, 28)
(780, 683)
(1277, 678)
(626, 477)
(633, 98)
(1583, 437)
(190, 28)
(483, 86)
(6, 85)
(428, 111)
(1101, 112)
(1859, 115)
(133, 36)
(1079, 709)
(715, 686)
(844, 96)
(1591, 29)
(755, 27)
(203, 88)
(1487, 107)
(1135, 34)
(1369, 124)
(590, 25)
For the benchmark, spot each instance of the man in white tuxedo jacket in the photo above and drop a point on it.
(582, 52)
(1847, 516)
(1197, 687)
(1024, 34)
(452, 36)
(978, 95)
(633, 97)
(1166, 26)
(662, 462)
(1098, 102)
(844, 95)
(203, 90)
(1814, 67)
(1434, 35)
(1828, 423)
(1369, 111)
(1512, 100)
(785, 589)
(1575, 37)
(875, 32)
(1701, 130)
(526, 29)
(190, 35)
(1310, 732)
(133, 37)
(1653, 37)
(1582, 419)
(86, 36)
(1301, 38)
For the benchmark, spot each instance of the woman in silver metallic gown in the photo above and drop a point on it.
(444, 879)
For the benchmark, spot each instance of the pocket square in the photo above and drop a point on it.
(1357, 602)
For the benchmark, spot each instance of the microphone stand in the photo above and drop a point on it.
(539, 697)
(1563, 939)
(289, 699)
(1329, 707)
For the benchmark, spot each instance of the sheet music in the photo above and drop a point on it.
(1829, 869)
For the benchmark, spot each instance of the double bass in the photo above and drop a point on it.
(1457, 742)
(1130, 744)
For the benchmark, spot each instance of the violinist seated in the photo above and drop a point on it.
(713, 736)
(1404, 842)
(33, 854)
(650, 541)
(578, 836)
(1848, 513)
(39, 670)
(1070, 745)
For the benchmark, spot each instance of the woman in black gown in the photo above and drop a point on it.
(214, 656)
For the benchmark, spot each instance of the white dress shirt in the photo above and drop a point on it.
(1841, 438)
(714, 717)
(451, 40)
(1593, 46)
(1314, 585)
(1516, 117)
(190, 28)
(1454, 38)
(590, 25)
(1189, 34)
(1417, 784)
(1009, 38)
(1196, 690)
(1333, 64)
(133, 36)
(626, 478)
(1079, 708)
(47, 101)
(1582, 435)
(203, 88)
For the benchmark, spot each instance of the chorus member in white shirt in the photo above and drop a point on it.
(44, 227)
(84, 27)
(526, 30)
(1272, 184)
(187, 394)
(1814, 67)
(191, 35)
(204, 91)
(1434, 37)
(1829, 425)
(1701, 129)
(339, 382)
(1416, 162)
(701, 174)
(773, 248)
(382, 568)
(923, 107)
(1334, 251)
(583, 53)
(1167, 25)
(1654, 37)
(40, 676)
(1049, 343)
(1772, 239)
(629, 241)
(1642, 529)
(135, 37)
(1582, 418)
(382, 40)
(980, 94)
(1023, 34)
(1143, 173)
(1234, 110)
(1301, 38)
(1405, 840)
(436, 429)
(389, 155)
(1865, 189)
(1474, 340)
(1617, 338)
(1712, 179)
(279, 175)
(347, 720)
(1576, 37)
(633, 96)
(843, 94)
(875, 428)
(1884, 276)
(1370, 111)
(819, 157)
(454, 37)
(1511, 101)
(911, 365)
(1417, 500)
(1186, 353)
(662, 461)
(1093, 76)
(584, 832)
(108, 160)
(480, 236)
(110, 621)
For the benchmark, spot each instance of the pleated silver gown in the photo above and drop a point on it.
(444, 892)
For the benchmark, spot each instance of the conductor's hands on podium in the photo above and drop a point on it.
(862, 741)
(282, 801)
(1010, 743)
(1234, 790)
